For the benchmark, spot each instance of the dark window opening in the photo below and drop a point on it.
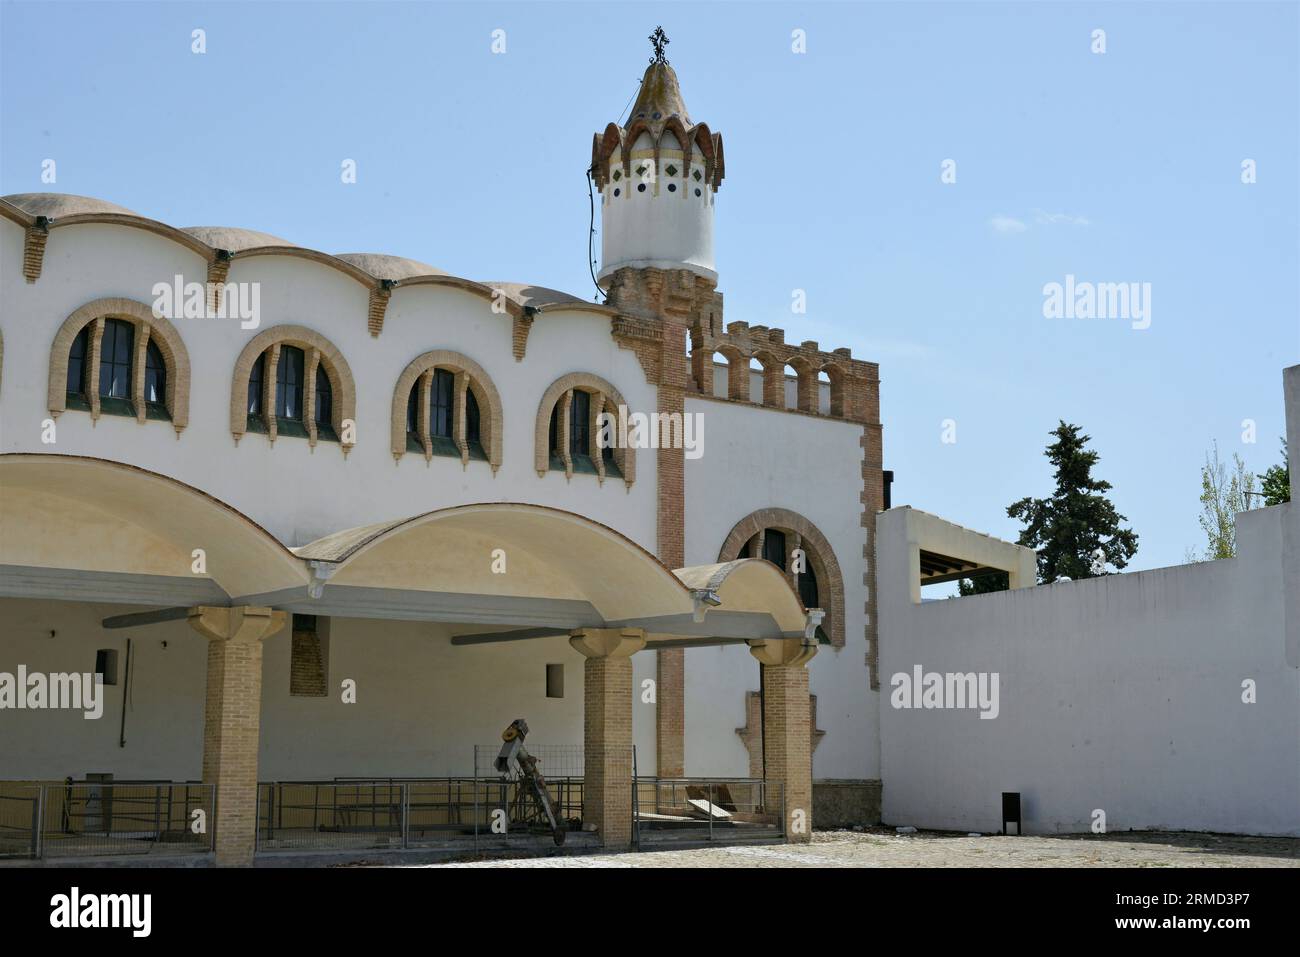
(106, 665)
(580, 424)
(555, 681)
(413, 443)
(77, 355)
(115, 354)
(256, 378)
(473, 434)
(324, 405)
(289, 384)
(440, 404)
(155, 381)
(553, 439)
(774, 547)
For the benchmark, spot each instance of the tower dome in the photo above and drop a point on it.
(657, 178)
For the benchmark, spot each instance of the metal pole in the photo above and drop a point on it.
(636, 803)
(406, 815)
(476, 799)
(38, 813)
(710, 810)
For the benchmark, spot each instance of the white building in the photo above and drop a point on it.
(406, 463)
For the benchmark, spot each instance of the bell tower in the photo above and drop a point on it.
(657, 177)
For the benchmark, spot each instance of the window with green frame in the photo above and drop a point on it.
(116, 358)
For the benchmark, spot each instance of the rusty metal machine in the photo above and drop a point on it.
(533, 804)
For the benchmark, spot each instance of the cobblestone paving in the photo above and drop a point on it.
(884, 848)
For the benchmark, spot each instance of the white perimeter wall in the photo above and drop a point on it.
(756, 458)
(1122, 693)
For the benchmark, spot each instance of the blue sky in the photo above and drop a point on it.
(1117, 167)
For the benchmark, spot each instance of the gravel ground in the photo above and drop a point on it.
(879, 847)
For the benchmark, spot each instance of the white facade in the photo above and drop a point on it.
(300, 493)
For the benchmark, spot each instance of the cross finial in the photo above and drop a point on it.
(659, 40)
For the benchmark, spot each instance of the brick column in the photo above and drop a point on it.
(607, 729)
(231, 720)
(787, 733)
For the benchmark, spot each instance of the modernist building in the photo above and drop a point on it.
(387, 483)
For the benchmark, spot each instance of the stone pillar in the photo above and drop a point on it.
(607, 729)
(231, 720)
(787, 732)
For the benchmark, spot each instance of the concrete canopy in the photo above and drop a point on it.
(86, 515)
(93, 529)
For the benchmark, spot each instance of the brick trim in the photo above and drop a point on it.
(34, 239)
(820, 554)
(752, 733)
(560, 389)
(342, 384)
(147, 327)
(469, 376)
(873, 500)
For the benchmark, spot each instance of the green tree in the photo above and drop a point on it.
(1077, 531)
(1223, 495)
(982, 585)
(1276, 482)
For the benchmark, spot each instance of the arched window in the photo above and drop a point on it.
(569, 434)
(115, 356)
(798, 548)
(292, 381)
(444, 404)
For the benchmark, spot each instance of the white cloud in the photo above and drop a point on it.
(1007, 224)
(1044, 218)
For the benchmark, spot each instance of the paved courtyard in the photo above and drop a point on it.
(879, 847)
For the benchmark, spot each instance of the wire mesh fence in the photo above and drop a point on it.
(406, 812)
(88, 818)
(20, 810)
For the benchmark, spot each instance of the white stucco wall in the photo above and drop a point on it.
(300, 494)
(421, 705)
(759, 458)
(297, 493)
(1121, 693)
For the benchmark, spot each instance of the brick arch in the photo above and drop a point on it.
(148, 328)
(476, 380)
(807, 390)
(558, 392)
(821, 557)
(737, 372)
(313, 344)
(839, 380)
(773, 378)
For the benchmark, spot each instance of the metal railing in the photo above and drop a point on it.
(712, 809)
(49, 819)
(374, 813)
